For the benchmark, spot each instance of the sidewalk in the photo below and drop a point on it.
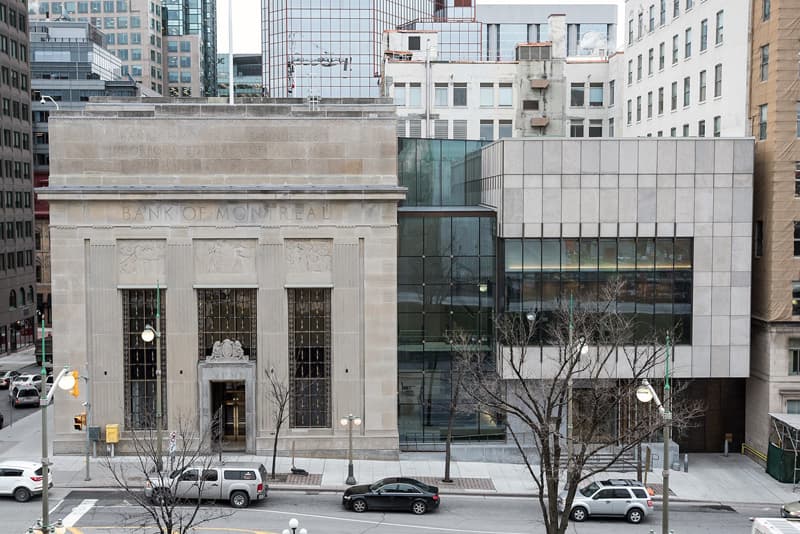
(711, 477)
(14, 361)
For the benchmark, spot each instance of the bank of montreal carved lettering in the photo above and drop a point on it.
(227, 212)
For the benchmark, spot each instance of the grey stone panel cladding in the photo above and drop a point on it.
(691, 187)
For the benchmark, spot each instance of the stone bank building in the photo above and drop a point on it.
(315, 244)
(268, 230)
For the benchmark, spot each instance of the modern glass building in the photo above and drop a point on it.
(445, 272)
(246, 74)
(329, 48)
(197, 18)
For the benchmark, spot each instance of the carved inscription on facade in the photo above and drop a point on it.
(242, 213)
(309, 255)
(225, 256)
(141, 257)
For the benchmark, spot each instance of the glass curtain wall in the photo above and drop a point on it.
(656, 276)
(446, 284)
(330, 48)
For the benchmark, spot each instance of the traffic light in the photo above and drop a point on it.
(75, 392)
(79, 421)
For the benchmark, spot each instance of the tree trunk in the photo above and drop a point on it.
(275, 450)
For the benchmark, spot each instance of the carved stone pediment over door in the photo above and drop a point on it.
(227, 350)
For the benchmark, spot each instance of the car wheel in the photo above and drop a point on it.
(634, 516)
(239, 499)
(579, 513)
(22, 495)
(359, 505)
(419, 507)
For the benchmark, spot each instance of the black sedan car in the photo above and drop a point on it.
(395, 493)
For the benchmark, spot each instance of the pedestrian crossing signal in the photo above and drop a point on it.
(79, 421)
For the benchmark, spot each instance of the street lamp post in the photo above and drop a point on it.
(293, 524)
(148, 335)
(45, 98)
(349, 421)
(43, 401)
(646, 393)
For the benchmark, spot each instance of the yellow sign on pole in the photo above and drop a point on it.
(112, 433)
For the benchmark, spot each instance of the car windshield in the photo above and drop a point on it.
(589, 490)
(376, 485)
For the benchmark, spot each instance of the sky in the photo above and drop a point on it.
(247, 21)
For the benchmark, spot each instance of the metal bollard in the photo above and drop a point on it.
(686, 463)
(726, 448)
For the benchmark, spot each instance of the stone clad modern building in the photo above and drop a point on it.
(270, 230)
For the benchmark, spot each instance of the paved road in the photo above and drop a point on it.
(87, 512)
(11, 414)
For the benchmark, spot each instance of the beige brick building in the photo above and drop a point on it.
(774, 383)
(270, 230)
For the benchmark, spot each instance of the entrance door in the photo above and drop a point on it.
(228, 402)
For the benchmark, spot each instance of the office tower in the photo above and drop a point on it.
(16, 246)
(69, 65)
(331, 48)
(191, 47)
(685, 69)
(246, 74)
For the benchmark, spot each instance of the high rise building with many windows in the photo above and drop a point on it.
(191, 27)
(330, 48)
(16, 201)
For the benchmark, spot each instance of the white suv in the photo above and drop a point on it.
(25, 380)
(21, 480)
(622, 498)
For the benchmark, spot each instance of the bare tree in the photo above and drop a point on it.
(589, 350)
(458, 402)
(279, 396)
(168, 507)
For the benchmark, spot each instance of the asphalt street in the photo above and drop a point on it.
(90, 512)
(11, 414)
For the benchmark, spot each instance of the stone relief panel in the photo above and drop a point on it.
(225, 260)
(141, 261)
(309, 255)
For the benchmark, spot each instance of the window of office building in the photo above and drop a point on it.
(639, 68)
(139, 357)
(766, 9)
(399, 94)
(650, 104)
(487, 130)
(576, 128)
(794, 356)
(673, 132)
(595, 94)
(797, 178)
(793, 406)
(687, 89)
(638, 108)
(656, 277)
(414, 94)
(717, 126)
(650, 59)
(687, 45)
(718, 80)
(702, 84)
(762, 134)
(310, 357)
(576, 95)
(686, 130)
(660, 100)
(611, 127)
(611, 92)
(764, 70)
(720, 32)
(595, 127)
(226, 314)
(505, 95)
(651, 19)
(662, 13)
(661, 53)
(674, 49)
(676, 8)
(797, 117)
(630, 112)
(701, 128)
(703, 34)
(630, 71)
(674, 97)
(487, 95)
(797, 238)
(796, 297)
(440, 95)
(460, 94)
(505, 129)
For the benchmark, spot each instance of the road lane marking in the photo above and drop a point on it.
(78, 512)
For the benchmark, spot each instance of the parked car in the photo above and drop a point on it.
(21, 480)
(237, 483)
(25, 396)
(628, 499)
(25, 380)
(6, 377)
(395, 493)
(791, 510)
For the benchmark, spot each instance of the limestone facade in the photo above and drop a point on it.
(269, 196)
